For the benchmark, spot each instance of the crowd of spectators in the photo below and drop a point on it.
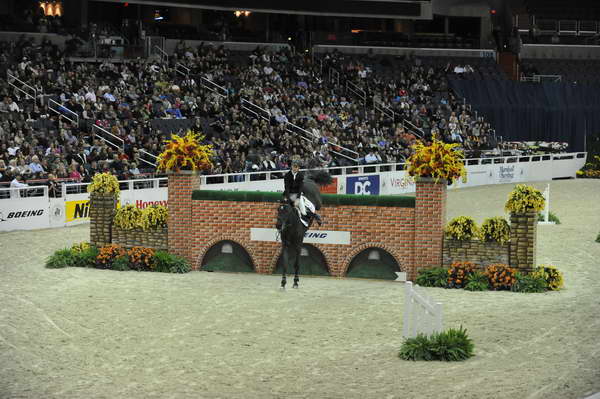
(308, 116)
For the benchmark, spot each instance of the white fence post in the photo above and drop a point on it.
(421, 314)
(547, 206)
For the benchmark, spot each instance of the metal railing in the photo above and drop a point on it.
(63, 111)
(357, 91)
(32, 90)
(147, 154)
(182, 69)
(108, 137)
(542, 78)
(164, 57)
(387, 111)
(212, 86)
(256, 110)
(412, 128)
(334, 75)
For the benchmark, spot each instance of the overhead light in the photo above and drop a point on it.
(241, 13)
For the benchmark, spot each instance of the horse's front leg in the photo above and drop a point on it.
(297, 251)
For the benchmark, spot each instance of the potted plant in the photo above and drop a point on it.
(438, 161)
(104, 193)
(185, 153)
(524, 200)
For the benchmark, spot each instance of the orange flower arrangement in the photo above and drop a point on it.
(108, 254)
(439, 161)
(500, 276)
(141, 258)
(458, 274)
(185, 153)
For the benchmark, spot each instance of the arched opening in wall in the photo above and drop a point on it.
(227, 256)
(312, 263)
(373, 263)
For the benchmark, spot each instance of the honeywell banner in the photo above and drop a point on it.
(311, 236)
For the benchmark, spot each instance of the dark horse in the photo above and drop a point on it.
(290, 225)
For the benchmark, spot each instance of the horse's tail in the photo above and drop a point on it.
(321, 177)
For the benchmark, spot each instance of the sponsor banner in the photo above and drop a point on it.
(311, 236)
(24, 214)
(77, 210)
(331, 188)
(362, 185)
(145, 197)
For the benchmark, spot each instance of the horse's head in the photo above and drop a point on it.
(284, 211)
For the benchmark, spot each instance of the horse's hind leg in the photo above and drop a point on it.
(296, 267)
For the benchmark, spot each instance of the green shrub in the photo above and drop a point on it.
(477, 281)
(85, 257)
(598, 238)
(551, 218)
(121, 263)
(461, 228)
(59, 259)
(529, 283)
(167, 263)
(434, 277)
(495, 229)
(450, 345)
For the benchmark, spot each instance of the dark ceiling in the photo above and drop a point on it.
(562, 9)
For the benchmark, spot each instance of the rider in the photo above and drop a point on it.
(293, 191)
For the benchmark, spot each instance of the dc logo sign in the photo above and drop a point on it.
(363, 185)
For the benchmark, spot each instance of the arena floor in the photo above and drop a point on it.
(85, 333)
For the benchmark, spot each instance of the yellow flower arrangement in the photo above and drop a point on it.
(153, 217)
(438, 161)
(80, 247)
(128, 217)
(104, 183)
(185, 153)
(495, 229)
(553, 277)
(525, 199)
(461, 228)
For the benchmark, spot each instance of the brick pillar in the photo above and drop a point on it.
(102, 212)
(523, 238)
(181, 185)
(430, 219)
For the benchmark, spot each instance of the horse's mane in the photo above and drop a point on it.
(320, 177)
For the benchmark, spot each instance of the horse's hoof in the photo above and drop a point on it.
(282, 288)
(295, 286)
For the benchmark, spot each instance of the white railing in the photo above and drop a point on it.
(63, 111)
(422, 315)
(212, 86)
(23, 192)
(108, 137)
(124, 185)
(32, 90)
